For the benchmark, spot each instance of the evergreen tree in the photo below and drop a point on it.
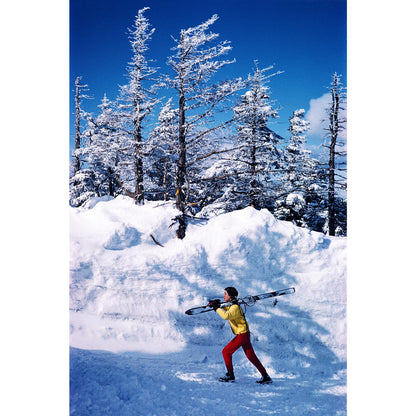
(82, 180)
(298, 189)
(137, 100)
(83, 187)
(101, 150)
(298, 158)
(257, 158)
(79, 114)
(163, 157)
(194, 64)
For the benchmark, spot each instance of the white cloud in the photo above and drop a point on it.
(317, 114)
(318, 117)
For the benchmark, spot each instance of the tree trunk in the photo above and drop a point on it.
(181, 171)
(139, 189)
(111, 182)
(165, 173)
(253, 193)
(331, 193)
(254, 186)
(333, 128)
(77, 164)
(138, 160)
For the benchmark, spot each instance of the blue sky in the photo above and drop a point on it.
(304, 38)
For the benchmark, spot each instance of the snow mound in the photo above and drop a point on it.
(128, 296)
(123, 238)
(127, 293)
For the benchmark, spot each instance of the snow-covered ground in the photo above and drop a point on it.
(135, 352)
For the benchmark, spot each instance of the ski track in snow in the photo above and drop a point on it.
(135, 352)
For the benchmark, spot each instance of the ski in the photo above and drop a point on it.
(248, 300)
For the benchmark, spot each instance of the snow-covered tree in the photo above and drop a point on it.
(101, 150)
(300, 173)
(337, 154)
(82, 181)
(83, 186)
(196, 60)
(162, 158)
(255, 164)
(298, 158)
(137, 100)
(79, 115)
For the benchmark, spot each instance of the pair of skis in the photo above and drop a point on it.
(248, 300)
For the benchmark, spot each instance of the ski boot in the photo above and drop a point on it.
(229, 377)
(265, 380)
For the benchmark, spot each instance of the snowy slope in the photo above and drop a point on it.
(131, 338)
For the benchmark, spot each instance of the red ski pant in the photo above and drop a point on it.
(241, 340)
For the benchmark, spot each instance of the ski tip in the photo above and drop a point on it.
(188, 312)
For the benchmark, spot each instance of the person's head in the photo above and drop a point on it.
(230, 293)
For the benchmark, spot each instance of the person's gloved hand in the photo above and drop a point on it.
(215, 304)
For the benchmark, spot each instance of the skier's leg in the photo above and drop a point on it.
(228, 352)
(251, 355)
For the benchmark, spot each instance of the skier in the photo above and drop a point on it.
(238, 323)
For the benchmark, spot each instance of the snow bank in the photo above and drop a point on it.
(129, 294)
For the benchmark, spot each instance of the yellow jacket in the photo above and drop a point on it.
(234, 315)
